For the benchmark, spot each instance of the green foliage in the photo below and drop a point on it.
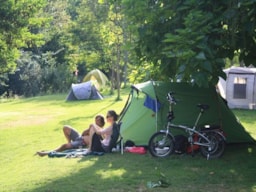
(192, 48)
(16, 19)
(86, 45)
(145, 71)
(38, 74)
(130, 40)
(240, 21)
(189, 40)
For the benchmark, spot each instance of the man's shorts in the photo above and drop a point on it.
(76, 139)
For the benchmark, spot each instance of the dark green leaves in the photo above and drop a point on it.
(194, 37)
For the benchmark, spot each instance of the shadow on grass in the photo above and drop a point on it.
(106, 173)
(58, 99)
(235, 171)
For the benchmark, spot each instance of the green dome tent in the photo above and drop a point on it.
(146, 109)
(96, 76)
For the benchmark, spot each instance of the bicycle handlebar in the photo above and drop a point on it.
(171, 98)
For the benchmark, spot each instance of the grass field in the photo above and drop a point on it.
(29, 125)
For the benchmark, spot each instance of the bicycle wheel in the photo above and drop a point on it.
(216, 147)
(161, 144)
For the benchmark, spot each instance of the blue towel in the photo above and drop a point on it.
(74, 153)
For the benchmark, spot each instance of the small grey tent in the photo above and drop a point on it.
(239, 89)
(147, 106)
(83, 91)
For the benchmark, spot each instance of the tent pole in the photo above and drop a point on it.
(254, 93)
(155, 105)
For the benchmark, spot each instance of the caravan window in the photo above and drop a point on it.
(240, 88)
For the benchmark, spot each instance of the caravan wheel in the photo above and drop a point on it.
(161, 145)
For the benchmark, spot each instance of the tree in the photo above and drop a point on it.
(189, 40)
(55, 33)
(37, 74)
(16, 19)
(97, 33)
(240, 23)
(113, 39)
(86, 46)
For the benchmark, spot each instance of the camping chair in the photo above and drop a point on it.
(116, 139)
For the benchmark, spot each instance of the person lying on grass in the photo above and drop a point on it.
(99, 139)
(74, 139)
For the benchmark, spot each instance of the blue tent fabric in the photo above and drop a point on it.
(83, 91)
(152, 104)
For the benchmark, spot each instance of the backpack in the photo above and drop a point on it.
(180, 144)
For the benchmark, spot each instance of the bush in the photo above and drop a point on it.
(38, 74)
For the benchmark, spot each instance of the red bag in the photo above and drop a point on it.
(138, 150)
(193, 147)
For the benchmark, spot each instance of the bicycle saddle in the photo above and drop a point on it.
(203, 106)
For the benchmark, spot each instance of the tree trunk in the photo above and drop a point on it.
(118, 83)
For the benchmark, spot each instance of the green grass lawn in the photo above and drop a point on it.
(29, 125)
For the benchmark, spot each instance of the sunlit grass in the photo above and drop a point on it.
(29, 125)
(248, 120)
(103, 174)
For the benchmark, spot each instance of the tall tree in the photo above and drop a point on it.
(85, 33)
(239, 21)
(56, 34)
(188, 40)
(113, 40)
(17, 17)
(97, 34)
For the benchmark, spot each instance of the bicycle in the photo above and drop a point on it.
(210, 139)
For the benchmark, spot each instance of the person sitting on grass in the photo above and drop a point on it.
(74, 139)
(99, 139)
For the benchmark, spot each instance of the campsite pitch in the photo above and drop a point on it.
(29, 125)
